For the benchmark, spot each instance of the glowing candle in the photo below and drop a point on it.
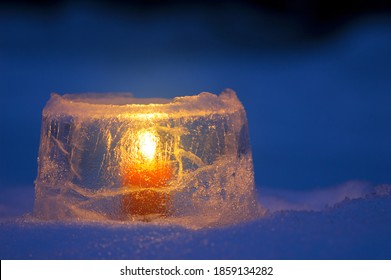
(145, 174)
(113, 156)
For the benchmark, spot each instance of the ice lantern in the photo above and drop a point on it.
(115, 157)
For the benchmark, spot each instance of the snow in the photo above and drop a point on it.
(352, 229)
(318, 117)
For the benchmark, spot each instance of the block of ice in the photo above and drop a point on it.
(115, 157)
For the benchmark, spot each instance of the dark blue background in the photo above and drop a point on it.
(316, 87)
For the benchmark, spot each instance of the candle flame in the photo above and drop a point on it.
(147, 142)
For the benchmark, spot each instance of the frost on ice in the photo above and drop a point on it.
(114, 157)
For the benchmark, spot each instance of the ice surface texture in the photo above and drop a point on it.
(115, 157)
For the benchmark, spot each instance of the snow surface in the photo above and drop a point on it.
(352, 229)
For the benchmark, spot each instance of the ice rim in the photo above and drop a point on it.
(124, 104)
(218, 192)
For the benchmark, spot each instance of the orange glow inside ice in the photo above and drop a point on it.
(146, 173)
